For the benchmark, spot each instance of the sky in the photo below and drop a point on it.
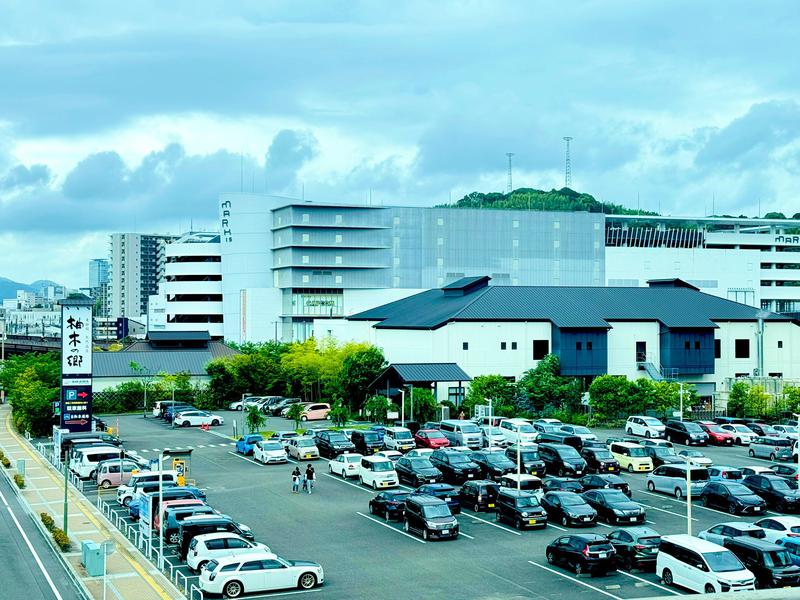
(135, 116)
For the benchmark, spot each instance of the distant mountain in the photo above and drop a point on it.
(8, 287)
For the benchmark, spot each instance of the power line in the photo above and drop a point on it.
(509, 185)
(567, 163)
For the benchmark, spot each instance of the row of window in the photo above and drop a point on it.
(541, 348)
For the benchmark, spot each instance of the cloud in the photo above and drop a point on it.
(98, 176)
(22, 177)
(287, 153)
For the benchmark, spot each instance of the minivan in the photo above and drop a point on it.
(771, 564)
(125, 491)
(377, 472)
(366, 442)
(84, 461)
(462, 433)
(685, 432)
(562, 460)
(116, 472)
(520, 508)
(773, 448)
(632, 457)
(560, 437)
(671, 479)
(517, 431)
(194, 526)
(701, 566)
(398, 438)
(430, 517)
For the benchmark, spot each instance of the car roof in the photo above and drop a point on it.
(638, 532)
(217, 535)
(786, 520)
(226, 560)
(628, 444)
(692, 542)
(521, 476)
(741, 525)
(608, 476)
(589, 537)
(516, 493)
(438, 486)
(560, 493)
(424, 499)
(753, 543)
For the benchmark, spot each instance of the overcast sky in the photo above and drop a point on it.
(134, 116)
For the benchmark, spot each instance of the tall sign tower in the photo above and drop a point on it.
(76, 363)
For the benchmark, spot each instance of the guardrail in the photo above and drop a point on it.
(50, 454)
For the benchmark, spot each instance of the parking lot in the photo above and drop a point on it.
(367, 557)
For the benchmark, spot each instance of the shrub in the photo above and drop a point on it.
(62, 540)
(6, 462)
(48, 521)
(2, 455)
(20, 481)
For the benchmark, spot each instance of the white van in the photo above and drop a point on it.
(462, 433)
(84, 461)
(518, 430)
(398, 438)
(701, 566)
(377, 472)
(126, 492)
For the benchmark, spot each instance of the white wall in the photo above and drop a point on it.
(622, 338)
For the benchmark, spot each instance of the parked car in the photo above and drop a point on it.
(776, 491)
(786, 471)
(461, 433)
(196, 418)
(756, 470)
(417, 471)
(278, 408)
(518, 431)
(787, 431)
(398, 438)
(523, 481)
(636, 547)
(191, 527)
(493, 465)
(127, 491)
(671, 479)
(776, 528)
(377, 472)
(613, 506)
(247, 443)
(648, 442)
(269, 452)
(562, 484)
(602, 481)
(174, 515)
(412, 426)
(443, 491)
(685, 432)
(600, 460)
(724, 473)
(246, 403)
(584, 553)
(528, 458)
(700, 566)
(429, 517)
(771, 564)
(648, 427)
(773, 448)
(302, 448)
(479, 494)
(212, 546)
(391, 504)
(562, 460)
(632, 457)
(662, 456)
(258, 572)
(696, 458)
(392, 455)
(366, 442)
(792, 545)
(568, 508)
(333, 443)
(742, 434)
(763, 429)
(431, 438)
(420, 453)
(379, 429)
(175, 409)
(456, 467)
(732, 497)
(520, 508)
(723, 531)
(546, 421)
(493, 436)
(116, 472)
(716, 435)
(579, 430)
(315, 411)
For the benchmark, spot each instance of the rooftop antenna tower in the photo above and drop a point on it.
(567, 163)
(509, 185)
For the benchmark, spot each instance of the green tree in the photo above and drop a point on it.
(254, 419)
(425, 406)
(339, 413)
(359, 369)
(31, 382)
(295, 413)
(737, 399)
(792, 398)
(376, 408)
(146, 378)
(608, 397)
(544, 386)
(757, 402)
(485, 387)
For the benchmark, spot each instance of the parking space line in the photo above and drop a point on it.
(549, 524)
(471, 516)
(669, 512)
(603, 524)
(389, 527)
(650, 583)
(583, 583)
(358, 487)
(465, 535)
(250, 460)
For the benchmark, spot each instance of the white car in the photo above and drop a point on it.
(756, 470)
(579, 430)
(247, 403)
(392, 455)
(269, 452)
(518, 430)
(787, 431)
(234, 575)
(492, 436)
(398, 438)
(420, 453)
(555, 422)
(213, 546)
(189, 418)
(643, 426)
(696, 458)
(777, 527)
(303, 448)
(345, 465)
(742, 434)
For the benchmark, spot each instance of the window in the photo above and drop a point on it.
(556, 244)
(515, 243)
(215, 544)
(513, 345)
(305, 259)
(338, 219)
(440, 221)
(697, 345)
(687, 345)
(502, 345)
(338, 238)
(589, 346)
(440, 241)
(396, 261)
(578, 346)
(306, 237)
(742, 349)
(541, 348)
(233, 543)
(338, 279)
(253, 565)
(717, 348)
(272, 564)
(515, 223)
(306, 217)
(338, 260)
(780, 343)
(396, 221)
(305, 279)
(465, 345)
(455, 395)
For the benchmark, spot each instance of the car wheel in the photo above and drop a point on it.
(240, 407)
(550, 557)
(647, 434)
(560, 472)
(780, 506)
(666, 577)
(185, 424)
(105, 484)
(92, 474)
(678, 493)
(174, 537)
(374, 485)
(304, 418)
(233, 589)
(651, 486)
(629, 431)
(703, 501)
(518, 523)
(578, 568)
(669, 439)
(753, 454)
(497, 517)
(709, 589)
(564, 521)
(627, 563)
(732, 508)
(372, 510)
(126, 502)
(360, 480)
(739, 441)
(330, 468)
(476, 507)
(307, 581)
(772, 457)
(215, 423)
(630, 467)
(200, 565)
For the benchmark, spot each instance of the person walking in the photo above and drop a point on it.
(310, 478)
(296, 480)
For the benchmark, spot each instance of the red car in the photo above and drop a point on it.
(716, 436)
(431, 438)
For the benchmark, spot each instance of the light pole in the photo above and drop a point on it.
(680, 387)
(161, 455)
(402, 404)
(3, 356)
(688, 462)
(797, 443)
(519, 462)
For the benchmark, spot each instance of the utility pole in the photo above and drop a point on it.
(66, 486)
(567, 163)
(509, 185)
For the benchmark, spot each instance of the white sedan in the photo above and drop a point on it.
(213, 546)
(778, 527)
(232, 576)
(268, 452)
(345, 465)
(696, 458)
(190, 418)
(742, 434)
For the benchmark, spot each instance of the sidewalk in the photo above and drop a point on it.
(130, 575)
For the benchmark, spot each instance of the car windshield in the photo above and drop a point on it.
(742, 429)
(402, 435)
(527, 455)
(789, 429)
(436, 510)
(527, 502)
(492, 431)
(338, 437)
(602, 454)
(420, 463)
(371, 436)
(383, 465)
(693, 427)
(469, 428)
(723, 561)
(637, 452)
(526, 428)
(398, 496)
(457, 458)
(692, 453)
(568, 452)
(496, 459)
(660, 451)
(699, 475)
(571, 500)
(777, 558)
(581, 430)
(737, 489)
(652, 422)
(769, 430)
(649, 540)
(616, 496)
(435, 435)
(271, 446)
(714, 429)
(304, 443)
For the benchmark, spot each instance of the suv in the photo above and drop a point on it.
(562, 460)
(561, 437)
(584, 553)
(366, 442)
(648, 427)
(493, 465)
(430, 517)
(479, 494)
(600, 460)
(701, 566)
(685, 432)
(456, 467)
(194, 526)
(770, 563)
(637, 547)
(417, 471)
(528, 457)
(520, 508)
(334, 443)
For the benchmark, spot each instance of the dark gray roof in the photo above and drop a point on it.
(565, 307)
(117, 364)
(423, 373)
(173, 336)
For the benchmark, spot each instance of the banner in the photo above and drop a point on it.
(76, 364)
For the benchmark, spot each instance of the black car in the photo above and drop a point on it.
(443, 491)
(603, 481)
(412, 426)
(431, 425)
(333, 443)
(562, 484)
(191, 527)
(456, 467)
(562, 460)
(366, 442)
(417, 470)
(430, 517)
(560, 437)
(521, 509)
(732, 497)
(584, 553)
(770, 563)
(685, 432)
(568, 508)
(661, 455)
(613, 506)
(479, 494)
(776, 491)
(528, 458)
(763, 429)
(493, 465)
(636, 547)
(391, 504)
(600, 460)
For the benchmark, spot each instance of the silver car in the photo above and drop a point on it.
(719, 533)
(671, 479)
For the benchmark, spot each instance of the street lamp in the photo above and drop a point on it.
(3, 355)
(797, 444)
(688, 461)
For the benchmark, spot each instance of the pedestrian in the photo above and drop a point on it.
(461, 415)
(296, 480)
(310, 478)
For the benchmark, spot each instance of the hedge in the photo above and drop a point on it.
(20, 481)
